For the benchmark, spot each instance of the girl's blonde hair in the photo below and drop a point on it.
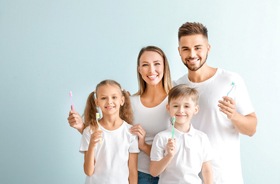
(91, 108)
(166, 80)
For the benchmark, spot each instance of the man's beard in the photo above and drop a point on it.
(195, 68)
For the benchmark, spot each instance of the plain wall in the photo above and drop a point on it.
(49, 47)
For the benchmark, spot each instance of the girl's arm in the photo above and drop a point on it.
(207, 173)
(157, 167)
(132, 164)
(89, 161)
(75, 121)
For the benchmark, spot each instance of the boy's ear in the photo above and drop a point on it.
(196, 109)
(168, 107)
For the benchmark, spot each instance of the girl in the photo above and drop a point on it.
(110, 150)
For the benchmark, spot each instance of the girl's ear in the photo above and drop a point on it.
(96, 102)
(122, 100)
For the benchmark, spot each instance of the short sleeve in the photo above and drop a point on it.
(133, 148)
(158, 148)
(207, 149)
(85, 140)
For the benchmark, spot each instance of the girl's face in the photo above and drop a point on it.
(183, 108)
(109, 98)
(151, 67)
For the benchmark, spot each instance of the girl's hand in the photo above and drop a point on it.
(171, 147)
(75, 121)
(95, 138)
(141, 133)
(227, 106)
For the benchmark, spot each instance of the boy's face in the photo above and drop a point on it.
(183, 108)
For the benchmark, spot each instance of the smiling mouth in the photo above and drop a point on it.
(152, 77)
(193, 60)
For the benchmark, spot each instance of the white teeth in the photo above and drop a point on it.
(152, 76)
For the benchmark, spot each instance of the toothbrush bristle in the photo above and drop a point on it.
(70, 93)
(97, 115)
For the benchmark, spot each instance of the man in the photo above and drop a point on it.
(225, 106)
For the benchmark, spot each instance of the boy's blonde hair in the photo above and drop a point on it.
(183, 90)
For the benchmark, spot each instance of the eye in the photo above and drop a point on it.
(157, 63)
(115, 97)
(143, 65)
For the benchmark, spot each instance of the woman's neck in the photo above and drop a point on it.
(153, 96)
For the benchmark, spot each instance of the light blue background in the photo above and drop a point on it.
(49, 47)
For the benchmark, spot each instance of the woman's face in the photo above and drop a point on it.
(151, 67)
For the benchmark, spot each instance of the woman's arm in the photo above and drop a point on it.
(141, 133)
(132, 164)
(207, 173)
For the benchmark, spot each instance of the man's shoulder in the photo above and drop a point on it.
(182, 80)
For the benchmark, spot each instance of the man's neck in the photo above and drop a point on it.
(201, 75)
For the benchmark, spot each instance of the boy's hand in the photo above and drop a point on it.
(171, 147)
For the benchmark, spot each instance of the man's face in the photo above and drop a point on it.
(193, 50)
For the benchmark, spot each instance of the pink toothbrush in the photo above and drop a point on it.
(72, 104)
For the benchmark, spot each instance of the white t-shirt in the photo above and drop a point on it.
(153, 120)
(223, 136)
(192, 150)
(111, 154)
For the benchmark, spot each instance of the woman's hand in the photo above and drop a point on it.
(141, 133)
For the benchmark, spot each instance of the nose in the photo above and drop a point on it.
(181, 109)
(110, 100)
(192, 53)
(151, 68)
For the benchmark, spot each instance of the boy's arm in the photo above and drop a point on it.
(157, 167)
(207, 173)
(132, 165)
